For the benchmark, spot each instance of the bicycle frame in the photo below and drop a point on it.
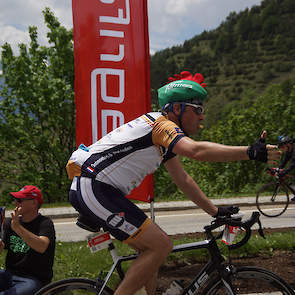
(202, 277)
(215, 277)
(281, 181)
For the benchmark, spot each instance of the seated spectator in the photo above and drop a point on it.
(29, 238)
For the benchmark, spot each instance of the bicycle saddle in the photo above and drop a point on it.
(87, 224)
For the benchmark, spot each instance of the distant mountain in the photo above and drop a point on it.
(249, 50)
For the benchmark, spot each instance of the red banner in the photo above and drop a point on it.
(112, 78)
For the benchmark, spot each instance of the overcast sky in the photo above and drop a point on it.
(171, 22)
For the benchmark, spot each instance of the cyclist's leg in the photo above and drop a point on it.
(151, 285)
(105, 205)
(155, 246)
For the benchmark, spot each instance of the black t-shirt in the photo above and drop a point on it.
(24, 261)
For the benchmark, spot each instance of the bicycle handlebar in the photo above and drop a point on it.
(272, 172)
(236, 221)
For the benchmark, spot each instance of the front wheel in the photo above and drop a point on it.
(250, 280)
(74, 286)
(272, 199)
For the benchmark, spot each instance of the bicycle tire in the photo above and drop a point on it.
(250, 280)
(74, 286)
(272, 194)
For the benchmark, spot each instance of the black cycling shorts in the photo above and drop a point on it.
(106, 206)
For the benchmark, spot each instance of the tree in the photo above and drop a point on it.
(38, 112)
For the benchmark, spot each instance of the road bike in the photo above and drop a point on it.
(272, 199)
(218, 276)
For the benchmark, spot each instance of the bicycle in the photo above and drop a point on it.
(217, 277)
(272, 199)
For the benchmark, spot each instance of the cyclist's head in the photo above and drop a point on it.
(283, 140)
(183, 88)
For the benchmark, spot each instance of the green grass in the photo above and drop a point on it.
(75, 259)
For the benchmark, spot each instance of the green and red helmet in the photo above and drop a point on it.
(183, 88)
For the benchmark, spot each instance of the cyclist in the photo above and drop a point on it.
(105, 172)
(285, 143)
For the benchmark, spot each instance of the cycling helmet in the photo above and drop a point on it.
(284, 139)
(182, 88)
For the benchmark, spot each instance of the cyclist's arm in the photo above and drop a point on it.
(290, 159)
(189, 186)
(283, 162)
(209, 151)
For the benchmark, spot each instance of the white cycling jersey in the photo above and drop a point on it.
(123, 157)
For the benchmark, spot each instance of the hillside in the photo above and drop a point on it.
(249, 51)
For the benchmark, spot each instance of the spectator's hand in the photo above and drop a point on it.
(260, 151)
(227, 211)
(15, 218)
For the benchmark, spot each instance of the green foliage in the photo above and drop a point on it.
(272, 111)
(248, 63)
(254, 46)
(37, 113)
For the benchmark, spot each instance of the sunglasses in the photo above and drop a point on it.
(21, 200)
(198, 109)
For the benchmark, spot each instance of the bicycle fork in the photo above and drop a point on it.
(275, 192)
(226, 276)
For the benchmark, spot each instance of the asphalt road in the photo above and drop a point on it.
(175, 222)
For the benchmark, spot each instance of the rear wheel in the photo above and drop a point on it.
(74, 286)
(250, 280)
(272, 199)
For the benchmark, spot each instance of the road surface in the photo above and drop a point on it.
(175, 222)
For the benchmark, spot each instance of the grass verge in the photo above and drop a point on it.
(75, 259)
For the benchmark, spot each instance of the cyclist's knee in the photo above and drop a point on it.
(160, 247)
(167, 244)
(154, 239)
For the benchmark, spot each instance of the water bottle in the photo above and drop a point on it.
(175, 288)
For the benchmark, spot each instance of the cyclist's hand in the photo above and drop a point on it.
(262, 152)
(274, 171)
(227, 211)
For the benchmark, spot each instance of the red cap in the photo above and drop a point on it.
(28, 192)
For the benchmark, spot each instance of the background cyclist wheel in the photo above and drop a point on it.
(105, 172)
(286, 145)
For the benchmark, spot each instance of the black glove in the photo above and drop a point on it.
(257, 151)
(227, 211)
